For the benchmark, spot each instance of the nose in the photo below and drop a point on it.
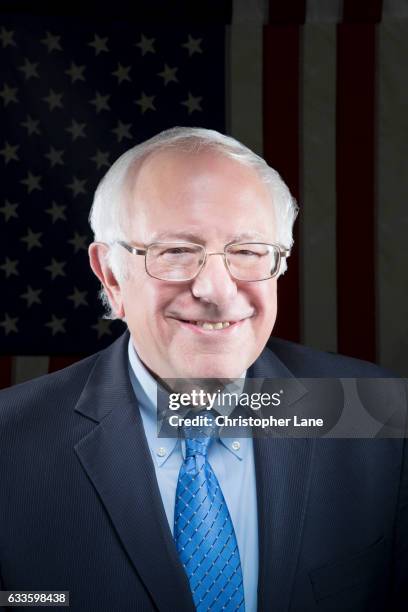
(214, 283)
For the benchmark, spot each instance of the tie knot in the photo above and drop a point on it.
(198, 438)
(197, 446)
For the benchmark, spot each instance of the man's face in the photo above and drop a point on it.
(211, 200)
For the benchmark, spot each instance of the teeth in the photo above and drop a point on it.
(208, 325)
(212, 325)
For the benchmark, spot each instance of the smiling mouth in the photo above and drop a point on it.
(210, 325)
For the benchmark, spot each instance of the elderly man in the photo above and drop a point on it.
(192, 231)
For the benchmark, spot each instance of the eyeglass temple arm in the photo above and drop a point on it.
(131, 249)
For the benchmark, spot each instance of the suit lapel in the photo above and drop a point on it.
(116, 457)
(283, 469)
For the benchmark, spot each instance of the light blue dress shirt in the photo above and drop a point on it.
(232, 463)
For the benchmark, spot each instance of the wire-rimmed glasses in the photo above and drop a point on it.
(183, 261)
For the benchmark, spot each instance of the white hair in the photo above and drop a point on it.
(107, 216)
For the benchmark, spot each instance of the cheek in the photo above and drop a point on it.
(147, 300)
(264, 297)
(267, 309)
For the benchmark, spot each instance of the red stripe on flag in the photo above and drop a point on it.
(281, 135)
(57, 362)
(355, 170)
(362, 11)
(282, 11)
(6, 369)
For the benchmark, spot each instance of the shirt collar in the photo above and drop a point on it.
(145, 388)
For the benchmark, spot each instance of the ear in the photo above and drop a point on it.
(97, 257)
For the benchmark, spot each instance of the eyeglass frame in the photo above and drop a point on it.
(135, 250)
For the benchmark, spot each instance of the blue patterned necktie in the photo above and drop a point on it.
(204, 533)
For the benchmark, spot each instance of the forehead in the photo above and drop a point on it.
(174, 191)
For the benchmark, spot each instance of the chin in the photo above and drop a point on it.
(210, 367)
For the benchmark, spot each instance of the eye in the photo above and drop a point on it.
(176, 251)
(247, 253)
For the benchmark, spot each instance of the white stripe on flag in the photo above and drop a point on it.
(244, 75)
(394, 9)
(321, 11)
(393, 197)
(249, 11)
(318, 204)
(26, 368)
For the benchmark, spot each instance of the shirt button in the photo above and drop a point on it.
(161, 451)
(236, 445)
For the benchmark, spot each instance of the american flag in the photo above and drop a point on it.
(317, 88)
(73, 99)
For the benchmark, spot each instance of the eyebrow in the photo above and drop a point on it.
(191, 237)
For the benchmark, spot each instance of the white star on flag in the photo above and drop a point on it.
(57, 212)
(122, 73)
(79, 242)
(56, 268)
(192, 103)
(168, 74)
(78, 297)
(99, 44)
(193, 45)
(146, 45)
(102, 327)
(9, 210)
(32, 239)
(6, 37)
(9, 324)
(52, 43)
(53, 100)
(31, 125)
(100, 102)
(55, 157)
(76, 72)
(8, 94)
(32, 182)
(76, 130)
(29, 70)
(77, 186)
(146, 102)
(9, 152)
(10, 267)
(122, 131)
(32, 296)
(56, 325)
(101, 159)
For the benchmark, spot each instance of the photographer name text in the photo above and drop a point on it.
(176, 420)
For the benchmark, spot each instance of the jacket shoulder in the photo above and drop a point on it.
(48, 392)
(309, 362)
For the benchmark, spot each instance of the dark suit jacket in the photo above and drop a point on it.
(80, 508)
